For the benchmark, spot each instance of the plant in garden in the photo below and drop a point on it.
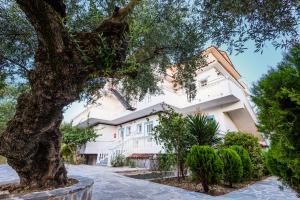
(250, 143)
(73, 138)
(172, 133)
(118, 160)
(246, 161)
(233, 166)
(205, 165)
(277, 96)
(68, 50)
(74, 135)
(165, 161)
(203, 129)
(68, 152)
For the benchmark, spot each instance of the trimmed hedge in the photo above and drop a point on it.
(233, 167)
(246, 161)
(250, 143)
(205, 165)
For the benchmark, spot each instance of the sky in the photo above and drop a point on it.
(251, 65)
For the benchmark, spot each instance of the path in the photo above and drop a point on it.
(111, 186)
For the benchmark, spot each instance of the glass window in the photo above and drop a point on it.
(121, 132)
(139, 128)
(148, 128)
(211, 117)
(128, 130)
(203, 83)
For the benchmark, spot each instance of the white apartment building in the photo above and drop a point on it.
(126, 128)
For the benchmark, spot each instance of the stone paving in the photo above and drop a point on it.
(109, 185)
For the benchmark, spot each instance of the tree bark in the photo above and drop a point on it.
(31, 142)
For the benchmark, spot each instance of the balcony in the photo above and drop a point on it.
(215, 93)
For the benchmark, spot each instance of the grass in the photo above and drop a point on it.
(2, 160)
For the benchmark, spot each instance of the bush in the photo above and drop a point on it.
(203, 129)
(130, 162)
(280, 163)
(266, 171)
(250, 143)
(246, 161)
(206, 165)
(233, 167)
(118, 161)
(166, 161)
(68, 153)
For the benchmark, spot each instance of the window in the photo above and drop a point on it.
(148, 128)
(139, 129)
(211, 117)
(121, 132)
(128, 131)
(203, 83)
(218, 72)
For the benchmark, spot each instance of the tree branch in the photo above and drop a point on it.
(47, 19)
(120, 14)
(14, 62)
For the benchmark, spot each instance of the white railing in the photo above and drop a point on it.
(125, 147)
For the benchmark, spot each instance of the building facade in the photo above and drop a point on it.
(125, 128)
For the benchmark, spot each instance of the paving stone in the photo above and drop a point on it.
(110, 186)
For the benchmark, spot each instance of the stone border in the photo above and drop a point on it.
(79, 191)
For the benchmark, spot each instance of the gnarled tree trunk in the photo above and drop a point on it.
(31, 142)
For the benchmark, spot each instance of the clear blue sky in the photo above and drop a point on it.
(251, 66)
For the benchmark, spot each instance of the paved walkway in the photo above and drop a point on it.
(110, 186)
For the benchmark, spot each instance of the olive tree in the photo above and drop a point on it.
(68, 50)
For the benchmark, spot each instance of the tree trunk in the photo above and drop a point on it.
(31, 142)
(178, 167)
(205, 185)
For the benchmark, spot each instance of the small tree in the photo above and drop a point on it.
(250, 143)
(206, 165)
(277, 98)
(246, 161)
(73, 138)
(165, 162)
(203, 129)
(172, 133)
(233, 167)
(118, 160)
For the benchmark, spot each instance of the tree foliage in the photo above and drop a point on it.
(166, 161)
(246, 161)
(250, 143)
(172, 133)
(233, 166)
(203, 129)
(206, 165)
(69, 50)
(236, 21)
(9, 94)
(277, 97)
(73, 135)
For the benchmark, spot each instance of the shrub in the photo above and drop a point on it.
(280, 163)
(233, 167)
(166, 161)
(246, 161)
(67, 152)
(130, 162)
(203, 129)
(250, 143)
(206, 165)
(118, 161)
(266, 171)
